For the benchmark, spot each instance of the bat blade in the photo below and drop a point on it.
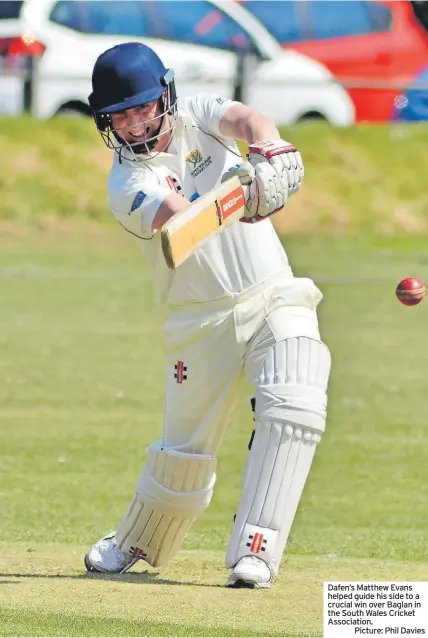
(187, 230)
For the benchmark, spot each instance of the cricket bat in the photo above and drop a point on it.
(185, 231)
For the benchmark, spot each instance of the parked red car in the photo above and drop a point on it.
(377, 49)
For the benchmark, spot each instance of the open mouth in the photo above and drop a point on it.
(143, 135)
(139, 133)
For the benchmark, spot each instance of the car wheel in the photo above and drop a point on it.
(73, 109)
(312, 116)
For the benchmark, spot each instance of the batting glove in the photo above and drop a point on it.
(244, 171)
(283, 157)
(266, 193)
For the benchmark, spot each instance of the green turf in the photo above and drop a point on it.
(367, 179)
(81, 397)
(44, 592)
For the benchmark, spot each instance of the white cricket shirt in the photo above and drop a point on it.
(228, 264)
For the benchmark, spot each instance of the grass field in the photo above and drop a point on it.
(362, 179)
(81, 396)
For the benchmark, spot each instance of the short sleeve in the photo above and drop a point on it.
(135, 199)
(207, 109)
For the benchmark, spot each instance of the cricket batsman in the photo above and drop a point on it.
(235, 309)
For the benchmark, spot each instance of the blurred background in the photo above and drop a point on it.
(81, 363)
(340, 61)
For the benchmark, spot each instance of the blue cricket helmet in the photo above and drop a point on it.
(127, 75)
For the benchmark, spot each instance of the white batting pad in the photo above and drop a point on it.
(173, 489)
(291, 404)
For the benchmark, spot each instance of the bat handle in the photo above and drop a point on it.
(246, 188)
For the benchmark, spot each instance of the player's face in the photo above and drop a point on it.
(139, 124)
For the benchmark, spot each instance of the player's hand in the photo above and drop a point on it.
(244, 171)
(283, 157)
(246, 174)
(266, 193)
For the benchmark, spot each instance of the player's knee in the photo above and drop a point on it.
(178, 482)
(292, 385)
(174, 488)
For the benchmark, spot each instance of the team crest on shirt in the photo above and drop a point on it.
(194, 157)
(199, 163)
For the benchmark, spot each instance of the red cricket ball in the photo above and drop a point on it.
(410, 291)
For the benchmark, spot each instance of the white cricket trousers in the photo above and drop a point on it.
(211, 346)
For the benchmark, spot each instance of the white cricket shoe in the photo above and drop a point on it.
(250, 572)
(105, 557)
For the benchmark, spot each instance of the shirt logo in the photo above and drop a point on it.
(194, 157)
(173, 183)
(138, 200)
(199, 163)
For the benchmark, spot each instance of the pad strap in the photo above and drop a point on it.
(173, 489)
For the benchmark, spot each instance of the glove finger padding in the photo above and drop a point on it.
(268, 192)
(283, 157)
(289, 166)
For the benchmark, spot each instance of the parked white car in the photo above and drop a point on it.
(198, 39)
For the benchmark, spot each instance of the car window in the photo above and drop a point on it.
(101, 16)
(333, 19)
(10, 9)
(280, 18)
(420, 9)
(67, 13)
(196, 23)
(381, 17)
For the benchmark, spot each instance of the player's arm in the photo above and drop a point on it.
(240, 122)
(172, 204)
(140, 204)
(274, 168)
